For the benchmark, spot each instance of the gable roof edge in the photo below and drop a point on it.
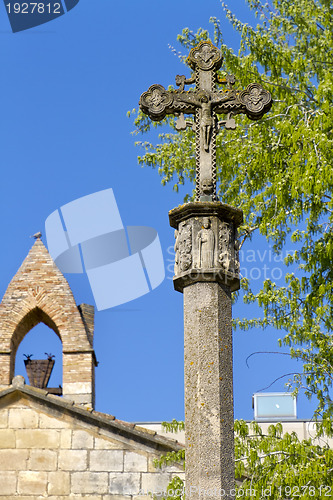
(103, 421)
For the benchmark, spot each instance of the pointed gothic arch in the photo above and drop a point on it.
(27, 323)
(40, 293)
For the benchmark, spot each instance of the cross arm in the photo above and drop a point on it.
(254, 101)
(158, 102)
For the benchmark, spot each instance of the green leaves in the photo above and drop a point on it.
(173, 426)
(269, 464)
(276, 465)
(170, 458)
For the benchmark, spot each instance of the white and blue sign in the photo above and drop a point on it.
(122, 263)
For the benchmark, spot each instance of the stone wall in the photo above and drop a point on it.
(45, 453)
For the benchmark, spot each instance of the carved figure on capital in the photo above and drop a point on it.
(183, 248)
(207, 188)
(236, 260)
(225, 255)
(206, 245)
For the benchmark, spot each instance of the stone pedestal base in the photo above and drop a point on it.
(208, 392)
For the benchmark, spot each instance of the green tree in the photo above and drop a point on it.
(279, 171)
(270, 466)
(278, 465)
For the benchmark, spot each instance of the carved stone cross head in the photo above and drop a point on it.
(205, 103)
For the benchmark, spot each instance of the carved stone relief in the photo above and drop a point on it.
(237, 263)
(183, 248)
(228, 248)
(205, 243)
(225, 245)
(207, 189)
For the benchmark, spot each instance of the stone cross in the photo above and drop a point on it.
(207, 269)
(205, 102)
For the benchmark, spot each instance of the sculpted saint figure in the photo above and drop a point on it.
(206, 243)
(225, 256)
(183, 248)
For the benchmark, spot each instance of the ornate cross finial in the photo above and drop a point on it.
(205, 102)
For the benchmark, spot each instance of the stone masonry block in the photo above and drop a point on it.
(135, 463)
(121, 497)
(7, 438)
(84, 400)
(151, 466)
(77, 388)
(42, 460)
(13, 459)
(3, 419)
(65, 439)
(4, 371)
(14, 402)
(8, 483)
(81, 440)
(181, 475)
(32, 483)
(107, 444)
(42, 497)
(37, 438)
(80, 497)
(22, 419)
(141, 497)
(107, 460)
(84, 497)
(72, 460)
(58, 483)
(90, 482)
(126, 483)
(172, 468)
(155, 482)
(49, 422)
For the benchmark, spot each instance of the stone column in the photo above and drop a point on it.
(207, 271)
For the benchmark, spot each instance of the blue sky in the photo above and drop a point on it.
(66, 88)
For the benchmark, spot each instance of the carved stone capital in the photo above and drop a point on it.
(206, 246)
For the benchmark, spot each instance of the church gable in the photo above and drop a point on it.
(51, 449)
(59, 447)
(40, 293)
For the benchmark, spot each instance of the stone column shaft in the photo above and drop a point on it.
(207, 272)
(208, 391)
